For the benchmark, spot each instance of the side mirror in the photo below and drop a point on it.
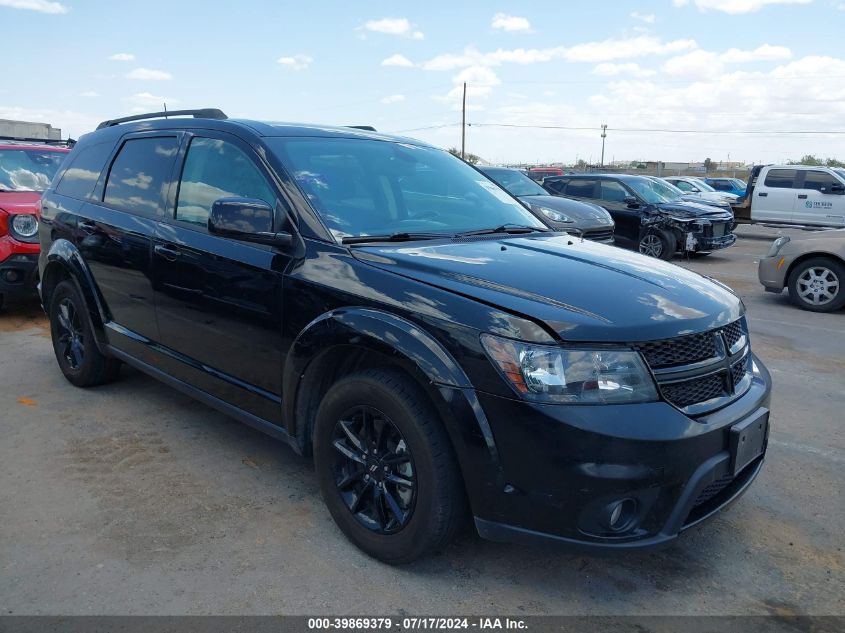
(246, 219)
(632, 201)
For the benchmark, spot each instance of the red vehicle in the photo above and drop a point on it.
(26, 168)
(538, 173)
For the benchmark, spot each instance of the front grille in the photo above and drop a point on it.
(719, 230)
(694, 372)
(598, 235)
(712, 490)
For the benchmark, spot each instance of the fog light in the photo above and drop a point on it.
(11, 276)
(620, 514)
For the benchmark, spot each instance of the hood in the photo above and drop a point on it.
(834, 235)
(582, 290)
(716, 196)
(686, 208)
(584, 214)
(15, 202)
(719, 204)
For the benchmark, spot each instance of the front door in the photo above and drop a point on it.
(612, 195)
(218, 301)
(819, 199)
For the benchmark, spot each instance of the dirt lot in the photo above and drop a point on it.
(132, 498)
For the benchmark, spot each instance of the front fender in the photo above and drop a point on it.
(64, 260)
(418, 352)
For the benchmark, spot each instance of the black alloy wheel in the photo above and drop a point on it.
(374, 470)
(71, 335)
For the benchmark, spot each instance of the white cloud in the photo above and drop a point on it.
(648, 18)
(604, 51)
(397, 60)
(295, 62)
(89, 93)
(145, 102)
(393, 99)
(42, 6)
(763, 53)
(609, 69)
(393, 26)
(735, 7)
(149, 74)
(480, 81)
(122, 57)
(511, 23)
(698, 64)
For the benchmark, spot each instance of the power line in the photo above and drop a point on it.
(657, 130)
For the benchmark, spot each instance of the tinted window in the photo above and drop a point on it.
(581, 188)
(819, 180)
(80, 177)
(780, 178)
(558, 186)
(720, 185)
(612, 191)
(139, 176)
(217, 169)
(683, 185)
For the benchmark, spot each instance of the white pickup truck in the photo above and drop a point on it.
(793, 194)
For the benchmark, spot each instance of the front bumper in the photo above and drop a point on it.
(19, 275)
(705, 243)
(563, 466)
(772, 272)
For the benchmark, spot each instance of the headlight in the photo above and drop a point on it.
(25, 225)
(778, 244)
(553, 215)
(575, 376)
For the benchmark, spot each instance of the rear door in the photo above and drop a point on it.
(219, 301)
(115, 231)
(774, 195)
(819, 199)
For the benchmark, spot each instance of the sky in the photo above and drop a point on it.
(674, 80)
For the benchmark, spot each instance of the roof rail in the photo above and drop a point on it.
(202, 113)
(68, 142)
(369, 128)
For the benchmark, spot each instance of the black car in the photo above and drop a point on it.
(584, 219)
(647, 218)
(319, 284)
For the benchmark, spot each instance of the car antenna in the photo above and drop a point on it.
(165, 109)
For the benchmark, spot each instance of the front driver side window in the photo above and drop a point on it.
(217, 169)
(683, 185)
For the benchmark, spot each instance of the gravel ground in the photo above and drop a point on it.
(133, 499)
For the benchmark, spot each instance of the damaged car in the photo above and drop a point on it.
(648, 219)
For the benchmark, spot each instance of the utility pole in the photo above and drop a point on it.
(464, 122)
(603, 136)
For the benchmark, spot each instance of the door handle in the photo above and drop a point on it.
(168, 252)
(88, 225)
(802, 196)
(762, 194)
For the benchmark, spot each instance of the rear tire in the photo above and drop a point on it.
(76, 351)
(658, 243)
(816, 285)
(375, 429)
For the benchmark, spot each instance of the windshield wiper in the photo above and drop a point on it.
(391, 237)
(510, 229)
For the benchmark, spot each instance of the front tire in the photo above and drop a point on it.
(386, 468)
(658, 243)
(816, 285)
(76, 351)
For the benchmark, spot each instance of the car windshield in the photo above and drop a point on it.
(650, 190)
(698, 182)
(667, 189)
(363, 187)
(840, 171)
(516, 182)
(737, 183)
(28, 169)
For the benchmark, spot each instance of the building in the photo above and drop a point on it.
(27, 129)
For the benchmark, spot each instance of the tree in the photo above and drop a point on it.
(470, 158)
(809, 159)
(708, 165)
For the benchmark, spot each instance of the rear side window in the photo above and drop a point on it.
(819, 180)
(720, 185)
(558, 186)
(139, 176)
(80, 177)
(581, 188)
(217, 169)
(780, 178)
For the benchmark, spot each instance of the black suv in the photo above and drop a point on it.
(649, 215)
(376, 302)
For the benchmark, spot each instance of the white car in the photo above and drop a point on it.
(693, 186)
